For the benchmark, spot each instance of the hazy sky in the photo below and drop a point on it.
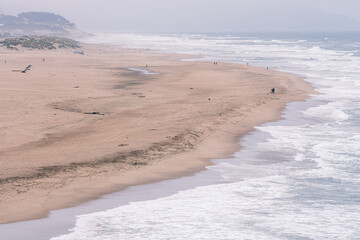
(198, 15)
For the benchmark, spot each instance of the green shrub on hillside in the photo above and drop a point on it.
(35, 42)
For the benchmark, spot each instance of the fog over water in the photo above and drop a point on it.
(198, 16)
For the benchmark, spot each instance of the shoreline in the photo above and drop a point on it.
(197, 145)
(138, 193)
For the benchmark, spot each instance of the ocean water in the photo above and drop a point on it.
(297, 178)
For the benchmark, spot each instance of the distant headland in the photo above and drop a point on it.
(38, 23)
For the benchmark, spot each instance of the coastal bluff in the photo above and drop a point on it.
(38, 23)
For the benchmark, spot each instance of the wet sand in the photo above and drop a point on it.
(76, 127)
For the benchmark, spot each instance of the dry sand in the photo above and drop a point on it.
(55, 153)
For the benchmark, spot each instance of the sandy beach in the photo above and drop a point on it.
(75, 127)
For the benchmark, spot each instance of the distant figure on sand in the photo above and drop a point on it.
(273, 90)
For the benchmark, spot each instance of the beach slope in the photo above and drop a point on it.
(75, 127)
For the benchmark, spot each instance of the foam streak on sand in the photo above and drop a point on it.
(53, 154)
(143, 71)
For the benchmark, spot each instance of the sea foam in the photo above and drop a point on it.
(295, 179)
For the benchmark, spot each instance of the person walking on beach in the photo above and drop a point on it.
(273, 90)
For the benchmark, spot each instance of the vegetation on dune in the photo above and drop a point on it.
(39, 42)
